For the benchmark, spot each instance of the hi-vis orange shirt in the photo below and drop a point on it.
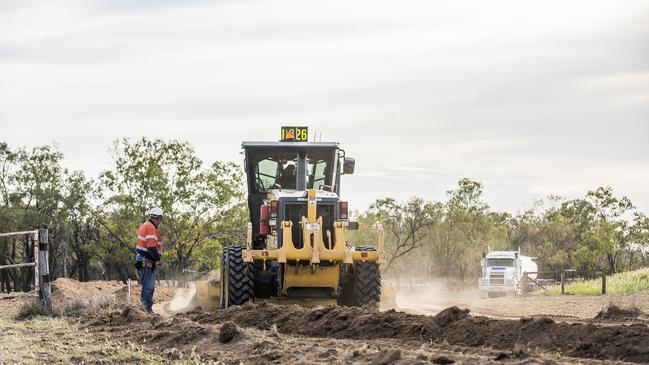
(148, 237)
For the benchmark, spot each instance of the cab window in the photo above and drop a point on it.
(266, 174)
(500, 262)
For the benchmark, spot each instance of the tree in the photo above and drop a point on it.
(81, 227)
(405, 224)
(467, 231)
(30, 189)
(611, 232)
(196, 200)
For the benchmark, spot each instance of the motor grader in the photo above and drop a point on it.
(296, 249)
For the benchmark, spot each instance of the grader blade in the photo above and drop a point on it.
(208, 294)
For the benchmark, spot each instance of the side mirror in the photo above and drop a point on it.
(348, 166)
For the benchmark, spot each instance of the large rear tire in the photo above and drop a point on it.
(367, 282)
(237, 284)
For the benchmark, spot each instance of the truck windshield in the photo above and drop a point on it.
(500, 262)
(275, 169)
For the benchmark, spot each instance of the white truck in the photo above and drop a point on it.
(502, 273)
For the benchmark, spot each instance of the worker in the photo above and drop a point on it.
(287, 179)
(148, 255)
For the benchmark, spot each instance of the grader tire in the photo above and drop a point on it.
(237, 284)
(367, 282)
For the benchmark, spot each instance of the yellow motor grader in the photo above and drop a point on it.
(296, 249)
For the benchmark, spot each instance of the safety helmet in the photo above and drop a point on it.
(156, 212)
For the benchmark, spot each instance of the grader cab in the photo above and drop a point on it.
(296, 249)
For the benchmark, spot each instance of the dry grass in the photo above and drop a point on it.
(46, 339)
(36, 335)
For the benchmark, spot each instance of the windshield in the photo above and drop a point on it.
(277, 169)
(500, 262)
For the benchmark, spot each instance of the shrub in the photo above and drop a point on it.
(35, 308)
(75, 309)
(32, 309)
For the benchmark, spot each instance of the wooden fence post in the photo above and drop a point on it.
(604, 282)
(44, 268)
(524, 282)
(563, 282)
(37, 275)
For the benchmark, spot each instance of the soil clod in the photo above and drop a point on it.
(386, 357)
(450, 315)
(228, 332)
(442, 360)
(615, 313)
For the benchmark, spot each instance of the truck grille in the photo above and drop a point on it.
(496, 279)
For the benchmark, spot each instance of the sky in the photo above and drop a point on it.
(530, 98)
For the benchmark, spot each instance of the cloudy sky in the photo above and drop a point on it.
(531, 98)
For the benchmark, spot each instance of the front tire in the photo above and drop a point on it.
(237, 284)
(367, 282)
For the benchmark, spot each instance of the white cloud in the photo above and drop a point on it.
(531, 98)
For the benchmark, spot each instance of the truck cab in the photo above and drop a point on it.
(502, 272)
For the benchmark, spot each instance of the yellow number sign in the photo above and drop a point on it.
(295, 134)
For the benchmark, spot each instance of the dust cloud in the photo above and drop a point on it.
(183, 299)
(431, 297)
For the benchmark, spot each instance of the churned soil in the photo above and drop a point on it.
(616, 314)
(257, 334)
(263, 332)
(452, 326)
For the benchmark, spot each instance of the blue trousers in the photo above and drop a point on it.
(147, 282)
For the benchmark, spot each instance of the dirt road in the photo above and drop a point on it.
(431, 299)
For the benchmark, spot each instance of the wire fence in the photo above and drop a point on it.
(40, 241)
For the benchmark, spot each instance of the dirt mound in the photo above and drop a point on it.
(137, 325)
(336, 321)
(617, 314)
(66, 290)
(453, 326)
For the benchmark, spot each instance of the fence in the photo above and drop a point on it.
(40, 263)
(564, 277)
